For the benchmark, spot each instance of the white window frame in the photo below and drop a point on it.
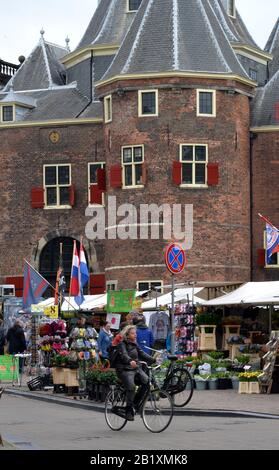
(184, 185)
(213, 93)
(151, 282)
(140, 94)
(57, 186)
(103, 165)
(128, 8)
(270, 266)
(111, 283)
(2, 112)
(108, 109)
(133, 166)
(234, 9)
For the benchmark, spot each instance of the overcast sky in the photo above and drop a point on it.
(22, 20)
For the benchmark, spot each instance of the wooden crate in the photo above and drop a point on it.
(229, 330)
(243, 387)
(58, 375)
(207, 338)
(254, 387)
(71, 377)
(234, 350)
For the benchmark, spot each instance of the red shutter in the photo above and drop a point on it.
(97, 284)
(261, 257)
(101, 179)
(212, 174)
(72, 195)
(17, 281)
(116, 176)
(277, 112)
(177, 173)
(95, 195)
(37, 198)
(144, 174)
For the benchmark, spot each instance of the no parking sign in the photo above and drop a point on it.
(175, 258)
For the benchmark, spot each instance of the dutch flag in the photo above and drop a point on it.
(75, 277)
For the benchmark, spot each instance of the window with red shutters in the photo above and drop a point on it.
(97, 284)
(212, 174)
(17, 281)
(96, 195)
(116, 176)
(144, 174)
(177, 173)
(37, 198)
(101, 179)
(72, 195)
(261, 257)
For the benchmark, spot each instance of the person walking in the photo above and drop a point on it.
(16, 341)
(104, 340)
(2, 337)
(129, 370)
(145, 337)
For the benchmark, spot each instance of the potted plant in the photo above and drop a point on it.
(224, 380)
(248, 382)
(212, 382)
(235, 381)
(201, 382)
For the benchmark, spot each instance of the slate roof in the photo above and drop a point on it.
(264, 104)
(175, 35)
(59, 103)
(41, 70)
(109, 24)
(272, 47)
(234, 28)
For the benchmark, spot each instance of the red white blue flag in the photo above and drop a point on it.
(34, 286)
(84, 273)
(75, 277)
(272, 241)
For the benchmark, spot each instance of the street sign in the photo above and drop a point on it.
(175, 258)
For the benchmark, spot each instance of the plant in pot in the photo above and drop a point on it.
(224, 380)
(92, 383)
(201, 382)
(235, 380)
(212, 382)
(107, 378)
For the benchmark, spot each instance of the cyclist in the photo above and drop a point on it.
(129, 370)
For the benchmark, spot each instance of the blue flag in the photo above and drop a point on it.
(34, 286)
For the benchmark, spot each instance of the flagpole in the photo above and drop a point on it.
(267, 221)
(50, 285)
(71, 274)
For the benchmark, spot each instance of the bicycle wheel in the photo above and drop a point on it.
(180, 386)
(157, 410)
(115, 403)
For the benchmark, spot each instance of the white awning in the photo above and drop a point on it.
(251, 293)
(179, 295)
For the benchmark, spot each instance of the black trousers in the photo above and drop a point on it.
(131, 378)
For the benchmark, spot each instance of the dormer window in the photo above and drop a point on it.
(133, 5)
(7, 114)
(231, 8)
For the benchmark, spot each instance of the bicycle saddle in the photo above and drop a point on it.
(172, 358)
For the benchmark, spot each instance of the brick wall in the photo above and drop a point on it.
(23, 152)
(265, 196)
(221, 249)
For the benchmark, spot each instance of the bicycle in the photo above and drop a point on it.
(178, 382)
(156, 407)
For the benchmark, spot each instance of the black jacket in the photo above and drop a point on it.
(16, 340)
(127, 352)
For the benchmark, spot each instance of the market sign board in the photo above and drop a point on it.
(51, 312)
(9, 368)
(120, 301)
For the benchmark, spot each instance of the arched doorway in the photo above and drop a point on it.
(49, 261)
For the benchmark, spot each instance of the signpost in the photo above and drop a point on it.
(175, 260)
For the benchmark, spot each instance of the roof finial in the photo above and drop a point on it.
(42, 32)
(67, 40)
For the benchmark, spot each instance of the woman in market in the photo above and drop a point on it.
(16, 341)
(129, 370)
(104, 340)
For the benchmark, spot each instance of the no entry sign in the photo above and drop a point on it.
(175, 258)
